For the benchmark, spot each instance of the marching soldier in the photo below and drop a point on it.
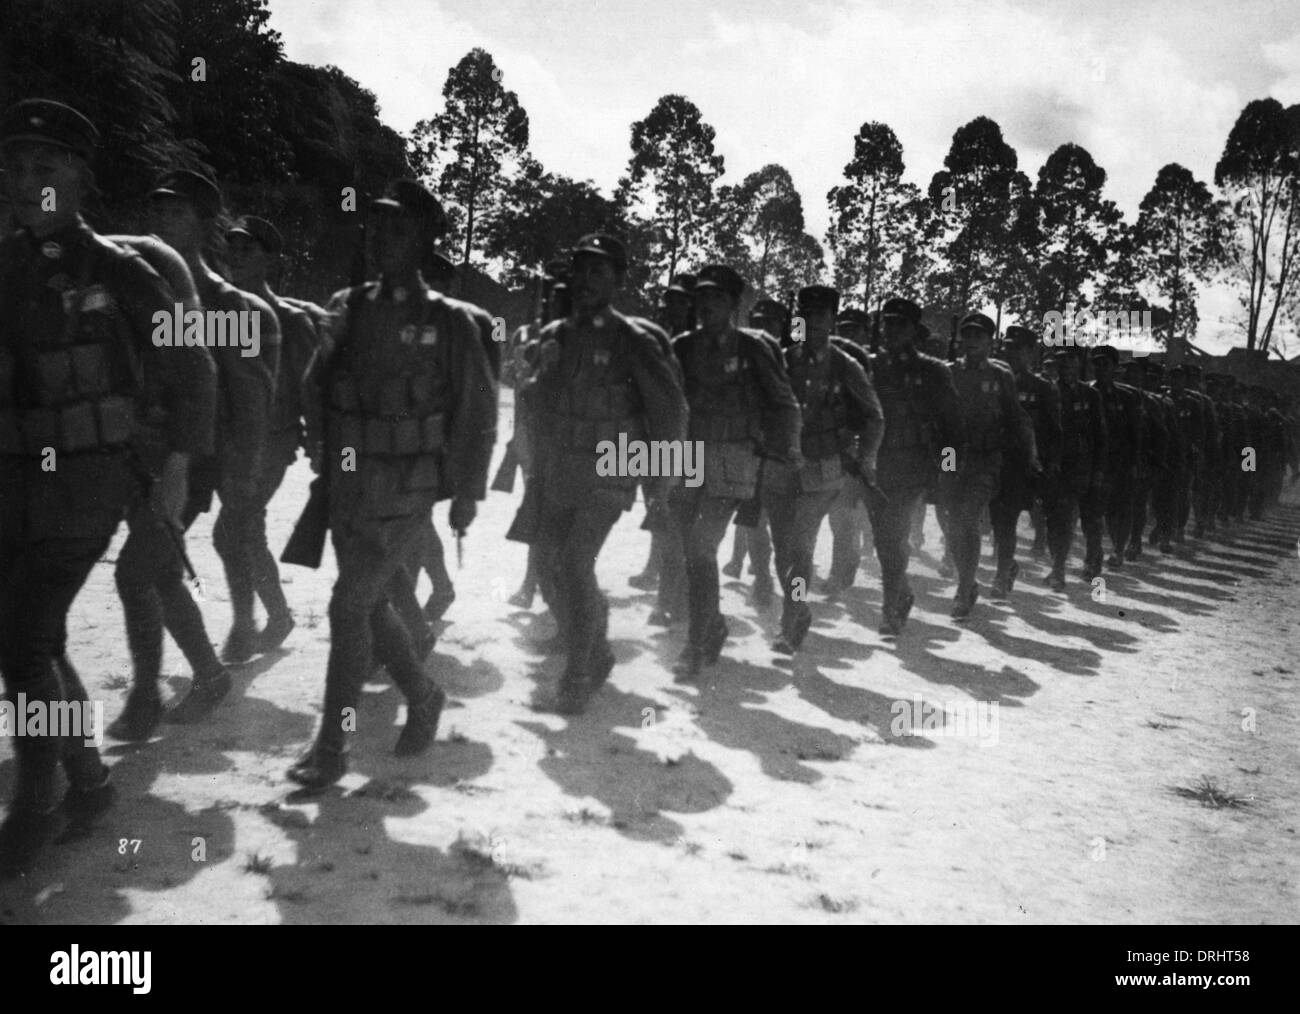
(993, 424)
(921, 417)
(1122, 406)
(401, 414)
(740, 401)
(1199, 421)
(849, 521)
(841, 416)
(1153, 464)
(78, 373)
(253, 247)
(1078, 491)
(1040, 399)
(599, 377)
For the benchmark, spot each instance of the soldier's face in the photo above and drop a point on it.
(1068, 367)
(395, 243)
(898, 332)
(975, 343)
(595, 280)
(45, 184)
(677, 308)
(855, 333)
(713, 307)
(176, 223)
(247, 261)
(818, 324)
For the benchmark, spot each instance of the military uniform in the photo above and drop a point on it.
(1113, 500)
(841, 415)
(1077, 491)
(600, 377)
(740, 403)
(401, 414)
(993, 423)
(850, 522)
(922, 416)
(1148, 492)
(78, 371)
(1041, 401)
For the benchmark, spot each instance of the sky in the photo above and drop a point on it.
(1139, 83)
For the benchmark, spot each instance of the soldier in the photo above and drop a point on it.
(401, 414)
(921, 416)
(849, 520)
(183, 211)
(1153, 464)
(78, 373)
(1187, 382)
(840, 416)
(599, 378)
(1040, 399)
(1122, 406)
(253, 247)
(740, 402)
(753, 527)
(993, 425)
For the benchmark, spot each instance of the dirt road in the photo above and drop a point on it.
(1134, 760)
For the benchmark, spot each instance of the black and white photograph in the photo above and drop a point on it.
(647, 462)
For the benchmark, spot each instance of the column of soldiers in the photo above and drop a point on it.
(392, 392)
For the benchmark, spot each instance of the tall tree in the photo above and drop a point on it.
(1178, 240)
(971, 212)
(873, 216)
(1079, 228)
(758, 226)
(670, 179)
(1259, 173)
(467, 147)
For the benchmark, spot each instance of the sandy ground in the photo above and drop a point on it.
(772, 793)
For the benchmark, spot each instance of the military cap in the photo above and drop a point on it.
(770, 308)
(603, 245)
(683, 282)
(440, 267)
(50, 123)
(411, 197)
(1018, 337)
(853, 315)
(1105, 352)
(186, 185)
(814, 298)
(979, 320)
(1061, 351)
(719, 276)
(899, 307)
(260, 231)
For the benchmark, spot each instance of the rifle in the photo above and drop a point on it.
(306, 545)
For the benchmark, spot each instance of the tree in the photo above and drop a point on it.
(874, 219)
(971, 213)
(758, 228)
(670, 177)
(1178, 240)
(1259, 173)
(467, 146)
(542, 214)
(1079, 228)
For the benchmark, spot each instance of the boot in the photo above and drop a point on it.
(33, 820)
(439, 602)
(275, 633)
(241, 644)
(421, 723)
(140, 717)
(206, 692)
(320, 767)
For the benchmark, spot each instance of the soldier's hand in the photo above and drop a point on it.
(463, 512)
(167, 498)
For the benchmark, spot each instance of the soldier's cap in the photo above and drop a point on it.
(1062, 351)
(766, 308)
(899, 307)
(260, 231)
(411, 197)
(440, 266)
(852, 315)
(979, 320)
(1019, 337)
(1106, 352)
(603, 245)
(719, 276)
(49, 122)
(187, 185)
(683, 283)
(817, 298)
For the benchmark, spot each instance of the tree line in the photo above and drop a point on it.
(205, 84)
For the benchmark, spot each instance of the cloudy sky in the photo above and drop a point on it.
(1139, 83)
